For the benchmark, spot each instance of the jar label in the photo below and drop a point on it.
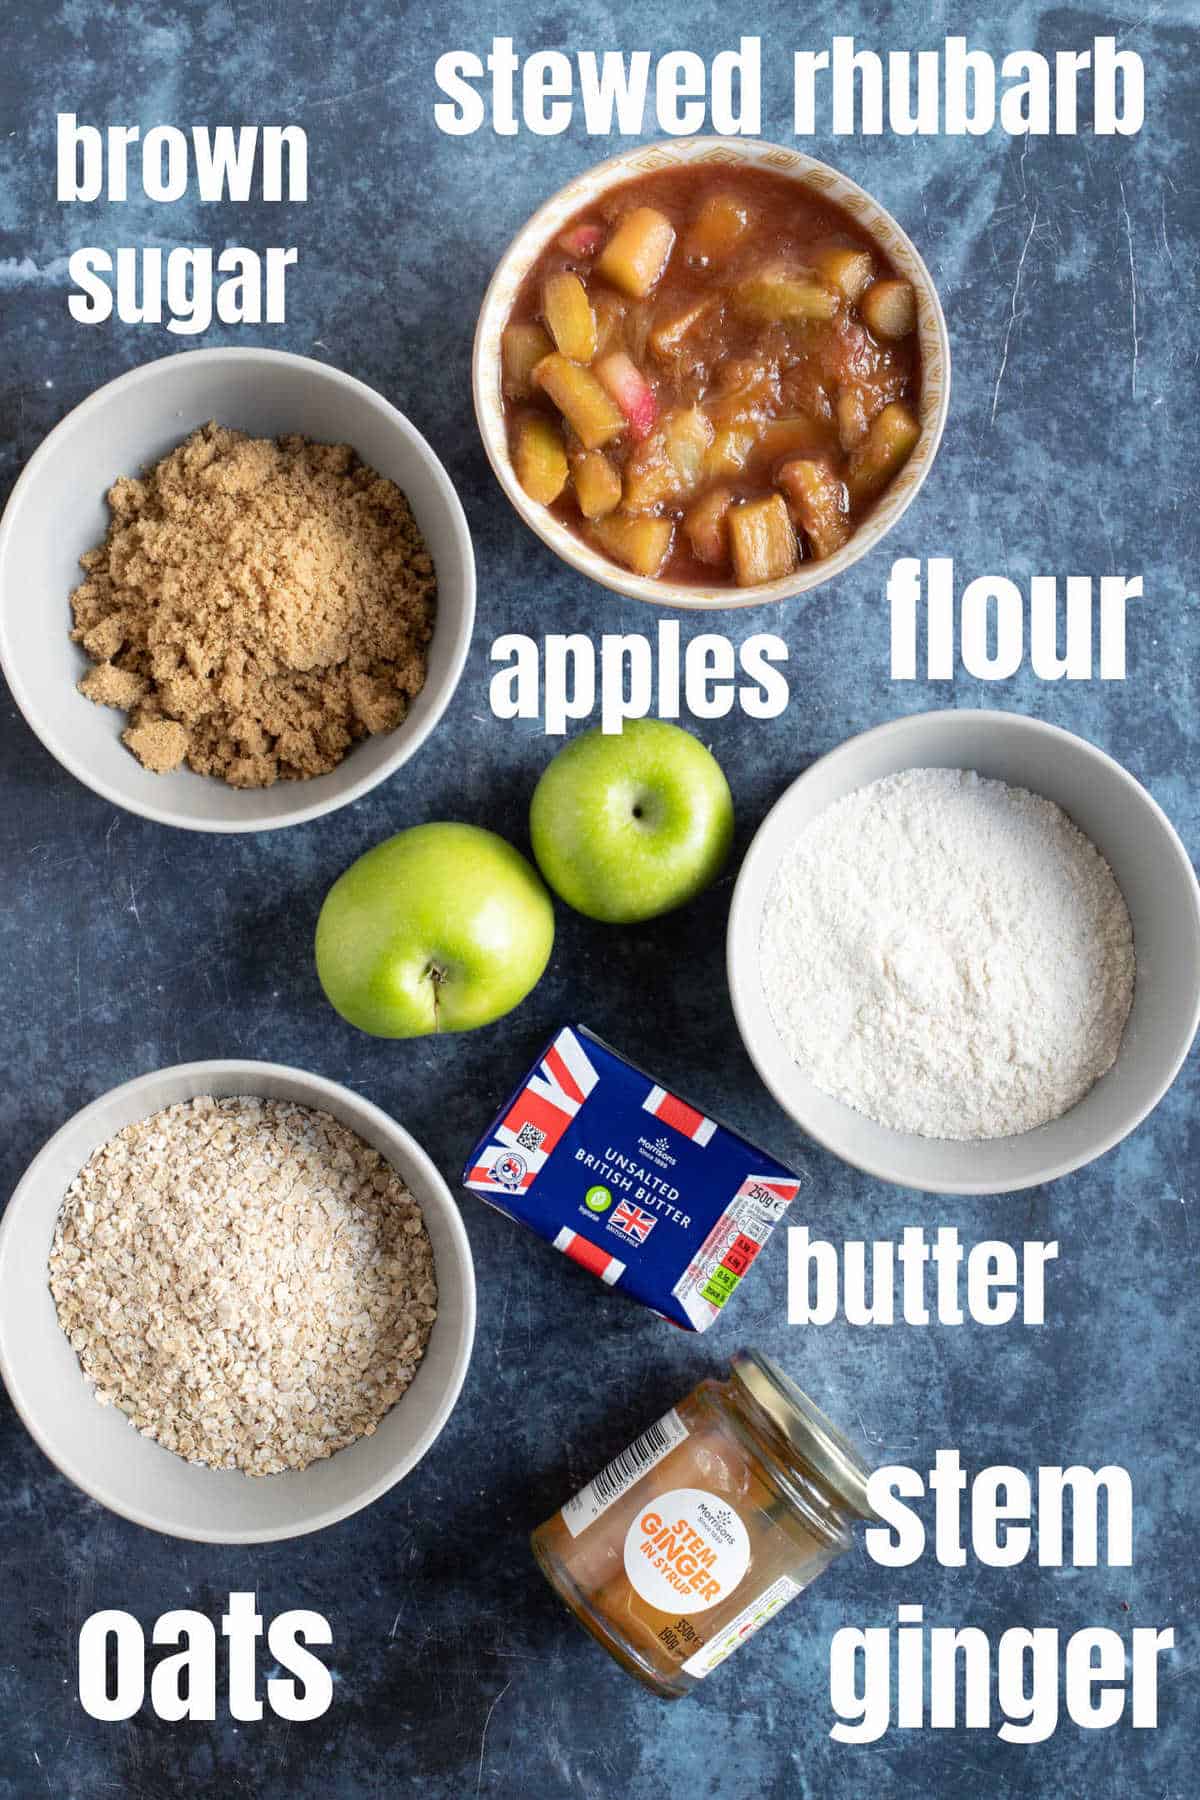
(751, 1618)
(686, 1550)
(616, 1477)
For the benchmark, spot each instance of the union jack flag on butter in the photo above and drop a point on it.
(633, 1221)
(629, 1181)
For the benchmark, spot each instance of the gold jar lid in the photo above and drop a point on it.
(819, 1443)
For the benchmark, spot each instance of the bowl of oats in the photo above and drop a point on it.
(237, 590)
(237, 1301)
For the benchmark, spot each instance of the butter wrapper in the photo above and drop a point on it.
(633, 1183)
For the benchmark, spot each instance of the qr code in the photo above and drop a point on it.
(530, 1138)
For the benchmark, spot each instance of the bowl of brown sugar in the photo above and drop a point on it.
(236, 590)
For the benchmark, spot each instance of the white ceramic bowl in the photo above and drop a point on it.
(1152, 870)
(57, 511)
(99, 1449)
(644, 159)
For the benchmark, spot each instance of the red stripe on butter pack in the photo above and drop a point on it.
(562, 1074)
(547, 1120)
(782, 1190)
(589, 1256)
(552, 1096)
(679, 1115)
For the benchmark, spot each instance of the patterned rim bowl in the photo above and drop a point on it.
(587, 188)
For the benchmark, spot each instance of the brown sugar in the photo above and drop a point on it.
(160, 745)
(256, 607)
(108, 685)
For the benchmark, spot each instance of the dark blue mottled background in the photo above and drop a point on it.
(1068, 271)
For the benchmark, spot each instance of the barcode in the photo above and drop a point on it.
(623, 1470)
(620, 1474)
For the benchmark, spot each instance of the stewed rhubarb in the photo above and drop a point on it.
(712, 374)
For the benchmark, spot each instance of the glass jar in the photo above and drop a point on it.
(709, 1523)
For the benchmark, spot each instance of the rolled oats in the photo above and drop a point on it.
(246, 1279)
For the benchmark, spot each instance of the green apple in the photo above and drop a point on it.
(632, 824)
(441, 928)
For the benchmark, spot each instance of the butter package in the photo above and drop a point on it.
(631, 1182)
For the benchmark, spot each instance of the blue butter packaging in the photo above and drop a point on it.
(626, 1179)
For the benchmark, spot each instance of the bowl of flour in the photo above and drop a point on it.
(964, 952)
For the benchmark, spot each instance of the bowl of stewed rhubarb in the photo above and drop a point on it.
(711, 372)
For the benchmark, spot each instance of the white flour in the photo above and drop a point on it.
(949, 955)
